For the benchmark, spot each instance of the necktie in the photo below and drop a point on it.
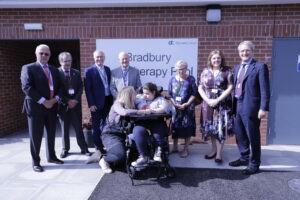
(125, 72)
(239, 82)
(68, 79)
(50, 83)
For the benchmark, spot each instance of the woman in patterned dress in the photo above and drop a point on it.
(215, 88)
(182, 92)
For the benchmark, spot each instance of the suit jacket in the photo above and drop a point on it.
(64, 89)
(117, 82)
(35, 86)
(255, 88)
(94, 88)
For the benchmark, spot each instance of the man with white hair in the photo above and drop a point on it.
(252, 97)
(97, 80)
(125, 75)
(40, 84)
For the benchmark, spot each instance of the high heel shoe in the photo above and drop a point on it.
(210, 157)
(218, 160)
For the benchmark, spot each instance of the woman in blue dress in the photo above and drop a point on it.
(182, 92)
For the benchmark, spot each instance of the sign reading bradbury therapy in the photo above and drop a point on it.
(155, 58)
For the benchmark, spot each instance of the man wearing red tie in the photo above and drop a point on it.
(69, 108)
(40, 83)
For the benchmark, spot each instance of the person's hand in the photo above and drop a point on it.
(182, 106)
(212, 102)
(93, 108)
(72, 103)
(48, 104)
(262, 114)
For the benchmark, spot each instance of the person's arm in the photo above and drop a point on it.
(161, 106)
(228, 90)
(119, 108)
(264, 85)
(88, 90)
(113, 87)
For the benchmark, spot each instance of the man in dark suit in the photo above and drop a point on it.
(252, 97)
(124, 75)
(97, 82)
(40, 83)
(69, 108)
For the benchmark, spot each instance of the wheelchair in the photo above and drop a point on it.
(163, 168)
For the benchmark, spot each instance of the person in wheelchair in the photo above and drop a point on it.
(112, 135)
(149, 102)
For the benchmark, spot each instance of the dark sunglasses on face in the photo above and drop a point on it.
(45, 54)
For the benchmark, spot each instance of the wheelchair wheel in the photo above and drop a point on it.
(170, 172)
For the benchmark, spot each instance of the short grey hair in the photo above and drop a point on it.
(247, 43)
(123, 53)
(98, 51)
(63, 55)
(42, 46)
(180, 64)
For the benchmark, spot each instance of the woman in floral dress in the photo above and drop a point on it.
(182, 92)
(215, 88)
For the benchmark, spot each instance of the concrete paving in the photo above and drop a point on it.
(76, 180)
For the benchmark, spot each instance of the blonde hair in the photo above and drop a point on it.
(211, 54)
(125, 96)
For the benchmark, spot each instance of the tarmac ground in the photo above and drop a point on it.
(76, 180)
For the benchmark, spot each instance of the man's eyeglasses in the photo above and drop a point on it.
(45, 54)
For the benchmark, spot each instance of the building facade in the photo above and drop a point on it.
(76, 30)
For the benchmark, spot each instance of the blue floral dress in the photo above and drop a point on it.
(183, 121)
(216, 121)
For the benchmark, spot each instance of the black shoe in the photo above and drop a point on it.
(250, 170)
(238, 163)
(56, 161)
(37, 168)
(219, 161)
(64, 154)
(210, 157)
(86, 152)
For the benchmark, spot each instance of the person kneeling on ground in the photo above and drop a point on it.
(149, 102)
(114, 140)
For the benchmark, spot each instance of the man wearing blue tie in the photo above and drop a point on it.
(97, 88)
(125, 75)
(252, 97)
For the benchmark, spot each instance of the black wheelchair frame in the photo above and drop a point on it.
(164, 168)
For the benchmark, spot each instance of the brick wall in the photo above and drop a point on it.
(11, 119)
(257, 23)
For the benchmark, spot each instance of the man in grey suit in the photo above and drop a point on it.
(69, 108)
(125, 75)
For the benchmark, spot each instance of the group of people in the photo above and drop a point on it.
(233, 102)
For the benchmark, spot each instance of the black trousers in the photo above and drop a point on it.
(115, 147)
(67, 118)
(36, 126)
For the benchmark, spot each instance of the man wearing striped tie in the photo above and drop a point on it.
(252, 97)
(40, 84)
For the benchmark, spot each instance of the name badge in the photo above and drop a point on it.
(215, 91)
(178, 99)
(71, 91)
(51, 88)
